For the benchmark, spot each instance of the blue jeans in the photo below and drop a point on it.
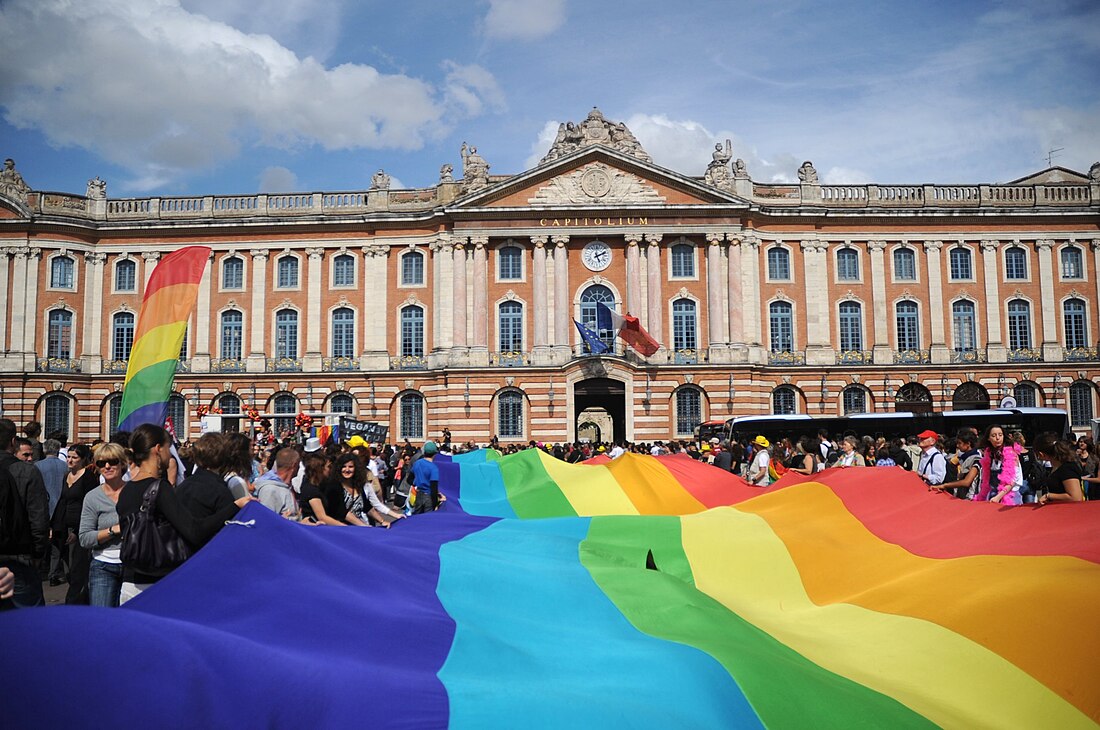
(104, 583)
(28, 584)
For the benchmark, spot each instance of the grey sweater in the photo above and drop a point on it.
(99, 513)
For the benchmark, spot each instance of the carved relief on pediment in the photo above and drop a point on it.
(596, 183)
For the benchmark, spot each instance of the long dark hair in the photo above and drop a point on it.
(144, 439)
(358, 479)
(1058, 449)
(983, 442)
(236, 455)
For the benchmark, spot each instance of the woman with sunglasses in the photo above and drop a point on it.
(80, 480)
(99, 528)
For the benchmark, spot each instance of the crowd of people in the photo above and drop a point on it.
(74, 511)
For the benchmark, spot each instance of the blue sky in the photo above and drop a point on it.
(174, 97)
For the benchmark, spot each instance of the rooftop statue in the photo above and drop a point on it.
(380, 181)
(807, 173)
(595, 129)
(718, 171)
(97, 189)
(446, 174)
(11, 182)
(475, 170)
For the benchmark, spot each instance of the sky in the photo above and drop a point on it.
(185, 97)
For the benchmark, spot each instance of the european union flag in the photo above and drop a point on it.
(591, 339)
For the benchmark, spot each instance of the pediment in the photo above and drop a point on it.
(597, 177)
(12, 207)
(1053, 175)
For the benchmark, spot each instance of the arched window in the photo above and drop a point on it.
(61, 272)
(343, 332)
(905, 264)
(285, 403)
(342, 403)
(781, 327)
(1025, 395)
(233, 273)
(1080, 404)
(1073, 266)
(970, 396)
(510, 414)
(411, 406)
(779, 264)
(287, 273)
(683, 261)
(689, 411)
(961, 265)
(683, 325)
(412, 268)
(908, 323)
(784, 401)
(963, 323)
(1016, 263)
(59, 341)
(1076, 326)
(229, 403)
(125, 275)
(913, 398)
(855, 400)
(847, 264)
(114, 410)
(122, 335)
(1019, 325)
(412, 331)
(589, 298)
(177, 411)
(511, 326)
(232, 331)
(510, 263)
(286, 333)
(851, 326)
(343, 270)
(58, 414)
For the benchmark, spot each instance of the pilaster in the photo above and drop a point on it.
(717, 332)
(479, 351)
(563, 303)
(458, 323)
(939, 352)
(880, 347)
(819, 349)
(1052, 349)
(200, 359)
(750, 297)
(735, 265)
(633, 274)
(5, 266)
(30, 319)
(376, 311)
(256, 363)
(150, 259)
(314, 323)
(995, 349)
(539, 314)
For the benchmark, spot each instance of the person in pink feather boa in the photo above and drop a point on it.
(1001, 476)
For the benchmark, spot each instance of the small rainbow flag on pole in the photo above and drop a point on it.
(169, 300)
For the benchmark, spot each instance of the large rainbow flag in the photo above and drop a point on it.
(647, 592)
(169, 300)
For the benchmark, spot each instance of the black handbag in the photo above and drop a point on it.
(150, 543)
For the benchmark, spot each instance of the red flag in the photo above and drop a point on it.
(635, 335)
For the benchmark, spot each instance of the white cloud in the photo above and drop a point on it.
(277, 179)
(542, 143)
(161, 91)
(297, 24)
(523, 19)
(844, 176)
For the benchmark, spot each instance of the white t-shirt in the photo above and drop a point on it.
(760, 464)
(616, 451)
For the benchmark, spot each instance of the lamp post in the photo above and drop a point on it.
(648, 389)
(466, 392)
(824, 390)
(550, 394)
(733, 391)
(1058, 389)
(943, 391)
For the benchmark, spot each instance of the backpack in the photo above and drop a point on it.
(951, 471)
(832, 454)
(15, 527)
(150, 544)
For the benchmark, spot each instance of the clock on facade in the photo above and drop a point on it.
(596, 256)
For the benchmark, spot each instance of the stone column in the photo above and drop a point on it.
(995, 349)
(940, 353)
(5, 263)
(18, 301)
(633, 274)
(1048, 307)
(314, 323)
(377, 319)
(539, 314)
(30, 319)
(819, 349)
(880, 346)
(563, 303)
(151, 258)
(656, 324)
(91, 357)
(734, 268)
(256, 362)
(716, 330)
(459, 306)
(750, 296)
(481, 294)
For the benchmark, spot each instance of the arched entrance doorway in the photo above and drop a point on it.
(600, 402)
(914, 398)
(970, 396)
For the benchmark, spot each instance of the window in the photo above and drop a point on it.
(342, 403)
(781, 327)
(59, 341)
(114, 410)
(1080, 404)
(1073, 318)
(232, 328)
(287, 273)
(851, 326)
(1025, 395)
(683, 261)
(126, 275)
(343, 332)
(61, 272)
(847, 264)
(589, 298)
(1019, 325)
(229, 403)
(510, 263)
(689, 411)
(963, 322)
(908, 325)
(412, 269)
(233, 273)
(683, 325)
(183, 343)
(412, 331)
(510, 414)
(122, 336)
(511, 326)
(961, 266)
(855, 400)
(1016, 264)
(286, 333)
(905, 264)
(57, 415)
(177, 412)
(284, 404)
(1072, 263)
(783, 401)
(343, 270)
(412, 416)
(779, 263)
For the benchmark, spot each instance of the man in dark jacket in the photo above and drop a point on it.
(203, 492)
(24, 534)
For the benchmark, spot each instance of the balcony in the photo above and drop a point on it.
(787, 358)
(115, 367)
(968, 356)
(339, 364)
(1025, 354)
(1081, 354)
(409, 362)
(855, 357)
(183, 366)
(912, 357)
(227, 365)
(686, 356)
(57, 365)
(284, 364)
(508, 359)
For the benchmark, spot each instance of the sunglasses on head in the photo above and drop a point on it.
(107, 462)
